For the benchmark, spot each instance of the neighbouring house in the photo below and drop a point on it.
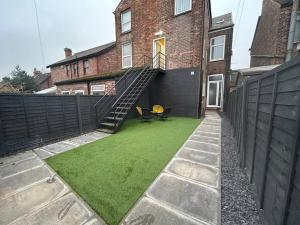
(6, 87)
(43, 80)
(196, 49)
(277, 35)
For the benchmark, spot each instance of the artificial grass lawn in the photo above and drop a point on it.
(111, 174)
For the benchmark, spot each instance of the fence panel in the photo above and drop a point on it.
(29, 121)
(265, 115)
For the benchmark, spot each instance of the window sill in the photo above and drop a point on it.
(180, 14)
(126, 32)
(216, 60)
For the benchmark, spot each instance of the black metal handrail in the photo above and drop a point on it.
(109, 100)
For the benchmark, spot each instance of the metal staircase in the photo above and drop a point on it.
(113, 108)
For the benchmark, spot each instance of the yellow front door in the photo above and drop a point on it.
(159, 59)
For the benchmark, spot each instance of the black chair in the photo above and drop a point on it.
(165, 114)
(145, 113)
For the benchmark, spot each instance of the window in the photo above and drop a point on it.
(65, 92)
(98, 89)
(79, 92)
(126, 21)
(217, 48)
(86, 66)
(127, 55)
(75, 69)
(67, 70)
(182, 6)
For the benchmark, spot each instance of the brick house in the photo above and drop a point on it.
(270, 43)
(182, 30)
(43, 80)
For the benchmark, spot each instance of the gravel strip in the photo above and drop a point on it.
(238, 205)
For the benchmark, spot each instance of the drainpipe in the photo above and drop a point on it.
(292, 30)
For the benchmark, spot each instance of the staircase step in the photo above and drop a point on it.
(119, 113)
(105, 131)
(107, 124)
(113, 118)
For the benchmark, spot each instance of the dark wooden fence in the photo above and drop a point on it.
(29, 121)
(265, 114)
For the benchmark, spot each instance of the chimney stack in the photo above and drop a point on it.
(68, 52)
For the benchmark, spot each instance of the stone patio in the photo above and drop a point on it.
(187, 192)
(31, 193)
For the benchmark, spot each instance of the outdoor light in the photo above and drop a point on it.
(159, 33)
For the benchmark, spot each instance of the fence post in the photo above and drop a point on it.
(47, 115)
(254, 132)
(244, 123)
(79, 113)
(1, 139)
(25, 115)
(269, 138)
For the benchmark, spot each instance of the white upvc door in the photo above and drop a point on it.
(215, 91)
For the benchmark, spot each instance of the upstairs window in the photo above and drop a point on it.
(127, 55)
(126, 21)
(217, 48)
(182, 6)
(86, 66)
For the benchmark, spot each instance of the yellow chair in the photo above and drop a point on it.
(140, 111)
(157, 109)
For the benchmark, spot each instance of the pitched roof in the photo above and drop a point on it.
(254, 71)
(3, 84)
(87, 53)
(41, 77)
(222, 22)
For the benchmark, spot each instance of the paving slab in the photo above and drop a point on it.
(16, 158)
(207, 134)
(149, 212)
(20, 166)
(215, 141)
(201, 173)
(82, 140)
(200, 202)
(24, 202)
(64, 211)
(42, 153)
(200, 157)
(202, 146)
(58, 147)
(14, 183)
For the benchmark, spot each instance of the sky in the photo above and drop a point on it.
(80, 25)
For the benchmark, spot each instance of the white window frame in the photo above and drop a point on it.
(79, 92)
(125, 56)
(98, 85)
(65, 92)
(218, 82)
(122, 22)
(212, 46)
(179, 13)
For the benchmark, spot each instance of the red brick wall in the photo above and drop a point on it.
(46, 84)
(270, 42)
(183, 33)
(221, 66)
(98, 65)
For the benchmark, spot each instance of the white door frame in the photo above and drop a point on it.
(154, 46)
(219, 82)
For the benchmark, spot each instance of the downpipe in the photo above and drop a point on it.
(292, 30)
